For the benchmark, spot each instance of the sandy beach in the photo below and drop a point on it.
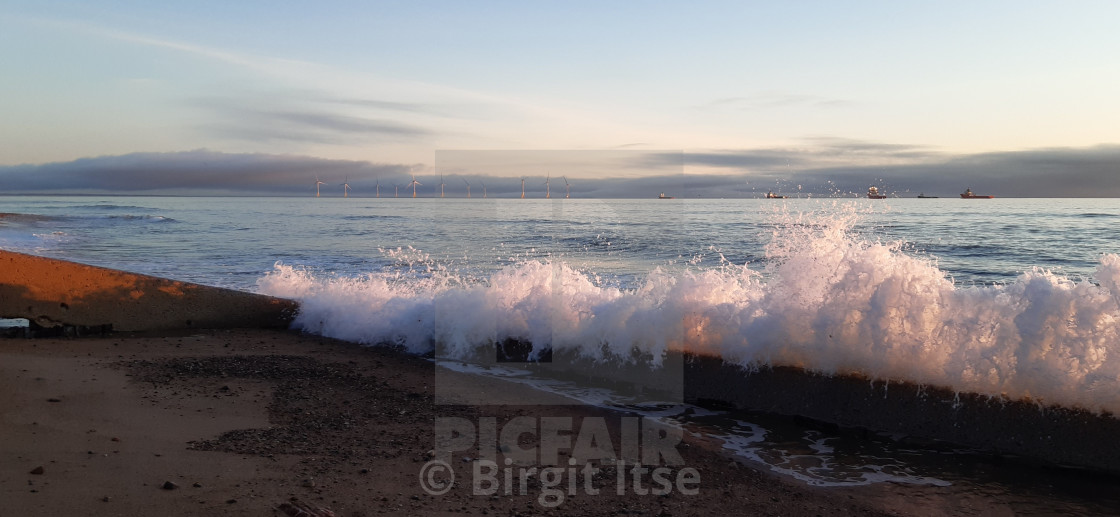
(185, 419)
(243, 421)
(256, 422)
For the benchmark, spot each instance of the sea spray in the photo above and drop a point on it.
(826, 298)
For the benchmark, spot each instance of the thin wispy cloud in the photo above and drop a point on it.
(774, 100)
(408, 107)
(230, 119)
(326, 83)
(265, 64)
(824, 146)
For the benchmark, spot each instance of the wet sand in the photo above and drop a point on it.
(246, 421)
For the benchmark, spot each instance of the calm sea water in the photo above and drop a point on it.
(1011, 296)
(232, 242)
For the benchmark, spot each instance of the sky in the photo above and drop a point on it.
(1015, 98)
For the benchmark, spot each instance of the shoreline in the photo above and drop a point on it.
(184, 419)
(65, 298)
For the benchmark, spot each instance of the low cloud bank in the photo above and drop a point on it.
(1065, 172)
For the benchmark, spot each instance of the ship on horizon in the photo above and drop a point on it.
(969, 195)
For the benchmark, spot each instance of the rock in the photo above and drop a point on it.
(38, 471)
(167, 485)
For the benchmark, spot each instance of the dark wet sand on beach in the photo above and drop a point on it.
(240, 422)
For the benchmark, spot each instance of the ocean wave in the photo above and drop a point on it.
(1093, 215)
(826, 298)
(130, 217)
(109, 206)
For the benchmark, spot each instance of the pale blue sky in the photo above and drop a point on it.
(829, 83)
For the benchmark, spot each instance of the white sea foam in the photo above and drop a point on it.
(821, 466)
(827, 299)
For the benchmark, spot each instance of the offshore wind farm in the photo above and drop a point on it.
(872, 193)
(441, 193)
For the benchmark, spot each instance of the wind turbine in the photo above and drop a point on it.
(396, 190)
(317, 183)
(468, 188)
(441, 185)
(547, 188)
(522, 188)
(483, 188)
(378, 187)
(414, 185)
(567, 188)
(346, 188)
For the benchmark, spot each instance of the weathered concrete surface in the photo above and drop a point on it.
(1052, 434)
(913, 413)
(53, 292)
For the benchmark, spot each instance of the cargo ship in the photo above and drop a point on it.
(873, 193)
(969, 195)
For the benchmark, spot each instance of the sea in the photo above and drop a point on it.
(1014, 297)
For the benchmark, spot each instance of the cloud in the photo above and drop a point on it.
(1064, 172)
(824, 146)
(198, 172)
(742, 160)
(1058, 172)
(813, 153)
(231, 119)
(408, 107)
(774, 100)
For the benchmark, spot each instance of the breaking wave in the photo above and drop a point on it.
(826, 298)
